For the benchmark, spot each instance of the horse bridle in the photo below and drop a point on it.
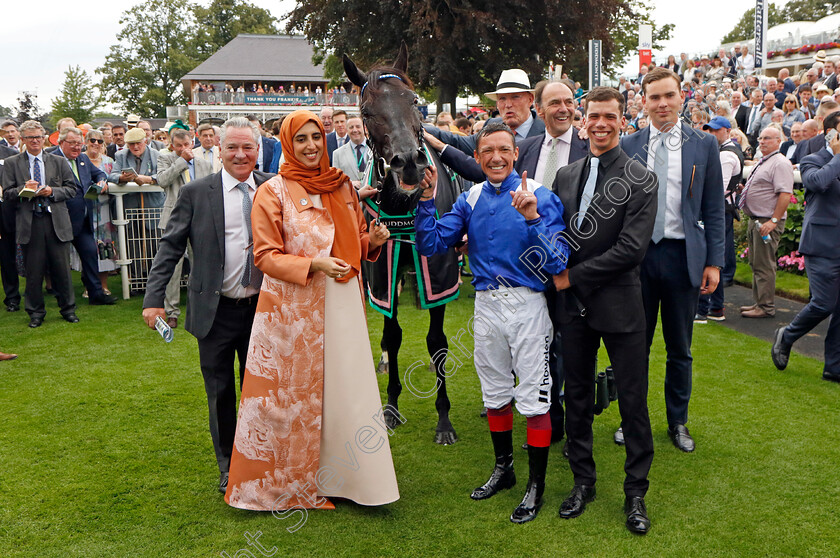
(380, 168)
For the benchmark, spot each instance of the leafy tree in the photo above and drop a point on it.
(6, 111)
(745, 28)
(28, 107)
(142, 72)
(77, 98)
(455, 46)
(223, 20)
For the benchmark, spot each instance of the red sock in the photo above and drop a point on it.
(539, 431)
(501, 420)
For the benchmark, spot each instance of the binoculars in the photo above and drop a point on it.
(605, 390)
(106, 250)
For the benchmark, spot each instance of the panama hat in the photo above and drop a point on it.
(511, 81)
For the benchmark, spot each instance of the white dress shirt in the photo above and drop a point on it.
(40, 157)
(673, 208)
(341, 140)
(236, 237)
(563, 148)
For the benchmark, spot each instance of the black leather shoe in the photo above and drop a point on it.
(102, 300)
(501, 478)
(531, 503)
(637, 518)
(223, 480)
(780, 352)
(575, 504)
(681, 438)
(618, 437)
(72, 318)
(12, 307)
(35, 322)
(465, 273)
(829, 377)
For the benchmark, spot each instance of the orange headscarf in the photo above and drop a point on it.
(326, 181)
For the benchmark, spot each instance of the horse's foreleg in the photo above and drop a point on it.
(438, 346)
(392, 339)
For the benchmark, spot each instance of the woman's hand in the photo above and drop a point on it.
(379, 234)
(332, 267)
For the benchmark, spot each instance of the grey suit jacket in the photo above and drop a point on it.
(58, 176)
(344, 158)
(170, 177)
(198, 217)
(148, 167)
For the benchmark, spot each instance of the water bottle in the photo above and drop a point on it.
(766, 237)
(163, 328)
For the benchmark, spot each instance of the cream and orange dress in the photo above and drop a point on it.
(310, 414)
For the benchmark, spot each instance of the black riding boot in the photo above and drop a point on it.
(502, 476)
(532, 502)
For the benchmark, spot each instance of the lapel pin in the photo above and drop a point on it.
(303, 201)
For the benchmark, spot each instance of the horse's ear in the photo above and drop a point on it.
(355, 75)
(401, 63)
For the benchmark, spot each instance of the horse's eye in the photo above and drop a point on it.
(416, 101)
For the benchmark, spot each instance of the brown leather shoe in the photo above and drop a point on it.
(4, 356)
(756, 313)
(747, 308)
(172, 322)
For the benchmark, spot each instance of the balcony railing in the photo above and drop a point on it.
(247, 98)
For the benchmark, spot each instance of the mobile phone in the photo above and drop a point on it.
(831, 135)
(129, 171)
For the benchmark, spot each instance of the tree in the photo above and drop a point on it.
(223, 20)
(76, 99)
(6, 111)
(745, 28)
(810, 10)
(455, 46)
(28, 107)
(142, 72)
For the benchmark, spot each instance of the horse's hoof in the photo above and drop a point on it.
(382, 367)
(391, 421)
(446, 437)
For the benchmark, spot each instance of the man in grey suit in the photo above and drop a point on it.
(513, 96)
(43, 225)
(353, 157)
(685, 255)
(818, 243)
(224, 284)
(175, 169)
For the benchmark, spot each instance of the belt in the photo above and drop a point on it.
(247, 301)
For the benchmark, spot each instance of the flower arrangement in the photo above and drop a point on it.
(804, 49)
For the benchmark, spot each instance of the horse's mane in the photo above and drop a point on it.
(375, 73)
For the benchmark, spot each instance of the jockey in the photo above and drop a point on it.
(513, 225)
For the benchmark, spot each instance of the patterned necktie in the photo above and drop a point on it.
(360, 159)
(36, 176)
(550, 164)
(588, 190)
(251, 276)
(660, 168)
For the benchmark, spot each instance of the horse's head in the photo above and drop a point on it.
(388, 106)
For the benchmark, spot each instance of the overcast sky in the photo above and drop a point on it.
(81, 33)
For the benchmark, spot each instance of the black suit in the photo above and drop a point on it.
(8, 264)
(605, 302)
(222, 328)
(807, 147)
(43, 229)
(741, 117)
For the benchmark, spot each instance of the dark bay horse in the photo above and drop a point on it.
(388, 106)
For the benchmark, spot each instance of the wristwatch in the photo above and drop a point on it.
(774, 220)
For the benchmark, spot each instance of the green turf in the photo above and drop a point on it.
(105, 452)
(788, 285)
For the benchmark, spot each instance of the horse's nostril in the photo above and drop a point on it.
(397, 162)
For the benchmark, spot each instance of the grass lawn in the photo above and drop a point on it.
(106, 452)
(788, 285)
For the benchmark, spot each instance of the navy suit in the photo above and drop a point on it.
(467, 143)
(529, 155)
(673, 269)
(807, 147)
(268, 154)
(818, 243)
(332, 143)
(80, 211)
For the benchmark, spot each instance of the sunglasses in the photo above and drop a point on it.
(94, 140)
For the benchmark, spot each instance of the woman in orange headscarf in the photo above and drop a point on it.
(308, 425)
